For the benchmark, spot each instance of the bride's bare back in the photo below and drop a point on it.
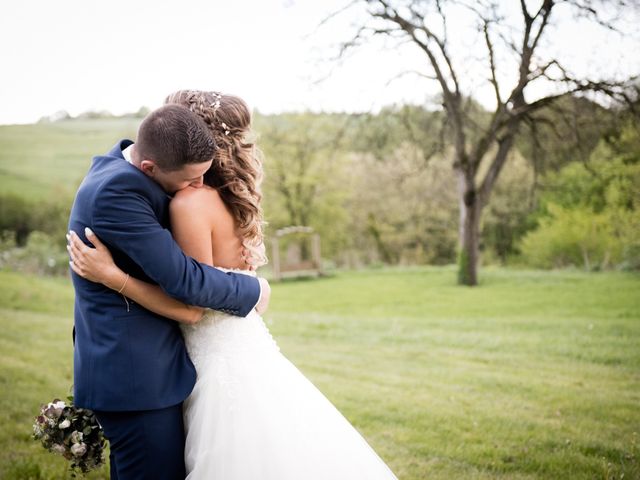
(205, 229)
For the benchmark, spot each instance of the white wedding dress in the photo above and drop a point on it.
(253, 415)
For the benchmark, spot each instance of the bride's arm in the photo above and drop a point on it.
(97, 265)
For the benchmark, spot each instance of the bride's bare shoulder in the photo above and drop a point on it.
(195, 194)
(200, 201)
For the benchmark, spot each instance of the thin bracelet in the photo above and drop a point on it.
(124, 284)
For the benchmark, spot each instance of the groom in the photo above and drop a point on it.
(130, 365)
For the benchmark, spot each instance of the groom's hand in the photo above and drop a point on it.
(265, 296)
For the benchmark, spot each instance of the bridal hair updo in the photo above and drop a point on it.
(236, 172)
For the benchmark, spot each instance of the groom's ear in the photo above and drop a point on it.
(148, 167)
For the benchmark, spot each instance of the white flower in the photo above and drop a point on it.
(56, 448)
(65, 424)
(54, 409)
(76, 437)
(78, 449)
(57, 404)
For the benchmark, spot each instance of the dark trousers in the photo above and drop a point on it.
(146, 445)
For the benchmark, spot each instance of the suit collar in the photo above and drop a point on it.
(116, 151)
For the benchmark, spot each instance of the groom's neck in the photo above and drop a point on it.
(135, 157)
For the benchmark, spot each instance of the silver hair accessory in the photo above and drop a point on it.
(216, 105)
(216, 101)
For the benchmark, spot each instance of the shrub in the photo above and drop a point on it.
(42, 254)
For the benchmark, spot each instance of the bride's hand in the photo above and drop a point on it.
(94, 264)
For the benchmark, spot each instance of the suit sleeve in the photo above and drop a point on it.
(123, 218)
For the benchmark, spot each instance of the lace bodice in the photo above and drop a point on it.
(220, 334)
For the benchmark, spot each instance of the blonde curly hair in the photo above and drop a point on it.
(236, 172)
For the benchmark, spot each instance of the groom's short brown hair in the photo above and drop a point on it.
(173, 136)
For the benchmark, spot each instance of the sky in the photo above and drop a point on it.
(116, 55)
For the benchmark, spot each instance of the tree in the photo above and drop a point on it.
(592, 219)
(512, 48)
(400, 206)
(303, 184)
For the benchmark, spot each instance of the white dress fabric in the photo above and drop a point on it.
(253, 415)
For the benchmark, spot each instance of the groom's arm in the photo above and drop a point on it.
(124, 219)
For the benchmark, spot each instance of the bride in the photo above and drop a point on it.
(252, 414)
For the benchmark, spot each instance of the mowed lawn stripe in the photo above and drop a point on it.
(532, 375)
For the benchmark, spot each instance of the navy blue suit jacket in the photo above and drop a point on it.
(128, 358)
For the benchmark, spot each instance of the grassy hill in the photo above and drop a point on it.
(47, 160)
(533, 375)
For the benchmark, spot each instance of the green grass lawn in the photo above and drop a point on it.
(532, 375)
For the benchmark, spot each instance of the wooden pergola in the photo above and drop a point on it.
(312, 266)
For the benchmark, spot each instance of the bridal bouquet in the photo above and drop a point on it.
(71, 432)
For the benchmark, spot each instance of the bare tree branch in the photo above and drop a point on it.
(492, 64)
(411, 72)
(332, 15)
(452, 98)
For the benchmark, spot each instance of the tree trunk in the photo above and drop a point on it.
(585, 257)
(372, 227)
(469, 232)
